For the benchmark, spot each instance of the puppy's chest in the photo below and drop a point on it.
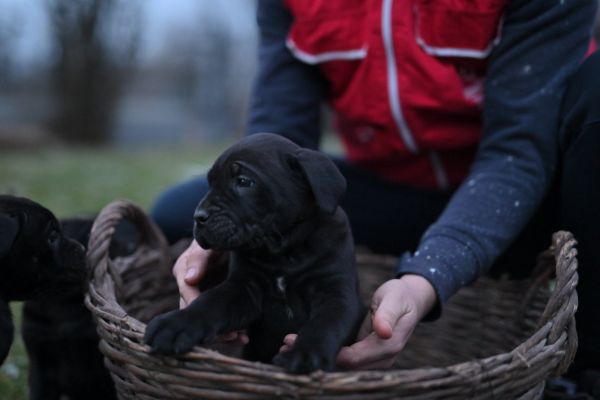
(285, 302)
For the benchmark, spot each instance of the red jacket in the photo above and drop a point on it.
(402, 72)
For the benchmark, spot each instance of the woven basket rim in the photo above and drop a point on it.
(556, 327)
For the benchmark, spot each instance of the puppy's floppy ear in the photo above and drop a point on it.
(6, 330)
(9, 227)
(326, 181)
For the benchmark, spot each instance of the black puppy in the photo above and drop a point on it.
(41, 262)
(274, 206)
(33, 253)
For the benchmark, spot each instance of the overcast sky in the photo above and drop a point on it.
(158, 17)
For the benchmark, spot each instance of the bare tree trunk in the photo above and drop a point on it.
(91, 66)
(9, 32)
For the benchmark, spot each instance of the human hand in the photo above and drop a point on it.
(397, 306)
(189, 269)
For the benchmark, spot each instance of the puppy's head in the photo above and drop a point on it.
(260, 188)
(34, 253)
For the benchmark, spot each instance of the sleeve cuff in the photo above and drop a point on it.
(446, 263)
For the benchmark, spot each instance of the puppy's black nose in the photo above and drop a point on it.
(200, 216)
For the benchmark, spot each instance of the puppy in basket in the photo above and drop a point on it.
(274, 207)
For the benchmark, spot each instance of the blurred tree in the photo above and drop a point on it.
(210, 62)
(216, 93)
(95, 44)
(9, 33)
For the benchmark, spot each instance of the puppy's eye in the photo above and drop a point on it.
(53, 236)
(242, 181)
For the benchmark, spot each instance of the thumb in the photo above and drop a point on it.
(195, 268)
(385, 318)
(192, 273)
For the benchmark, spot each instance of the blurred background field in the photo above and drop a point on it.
(82, 180)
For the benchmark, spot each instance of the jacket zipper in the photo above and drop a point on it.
(392, 78)
(394, 96)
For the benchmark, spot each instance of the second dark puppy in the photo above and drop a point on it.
(34, 255)
(274, 206)
(43, 262)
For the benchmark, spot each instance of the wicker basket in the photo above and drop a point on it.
(497, 339)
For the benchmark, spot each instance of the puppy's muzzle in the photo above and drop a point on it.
(200, 219)
(200, 216)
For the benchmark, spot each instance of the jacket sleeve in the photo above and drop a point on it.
(543, 43)
(287, 94)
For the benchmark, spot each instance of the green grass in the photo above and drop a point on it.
(82, 181)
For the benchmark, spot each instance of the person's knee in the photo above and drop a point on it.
(161, 215)
(173, 210)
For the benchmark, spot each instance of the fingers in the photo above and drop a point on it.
(187, 294)
(182, 303)
(228, 337)
(388, 306)
(367, 351)
(387, 315)
(288, 342)
(191, 265)
(371, 352)
(386, 363)
(290, 339)
(188, 271)
(193, 272)
(393, 320)
(382, 325)
(239, 338)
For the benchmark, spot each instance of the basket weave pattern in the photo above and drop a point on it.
(497, 339)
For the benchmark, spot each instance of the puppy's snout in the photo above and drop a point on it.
(200, 216)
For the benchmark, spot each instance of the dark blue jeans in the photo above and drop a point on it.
(390, 218)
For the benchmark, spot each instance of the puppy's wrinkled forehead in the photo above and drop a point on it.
(12, 205)
(264, 152)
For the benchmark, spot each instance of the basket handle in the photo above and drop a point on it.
(104, 228)
(562, 303)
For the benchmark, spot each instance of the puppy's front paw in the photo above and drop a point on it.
(176, 332)
(303, 361)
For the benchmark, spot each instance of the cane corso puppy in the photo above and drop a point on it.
(33, 255)
(43, 263)
(274, 207)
